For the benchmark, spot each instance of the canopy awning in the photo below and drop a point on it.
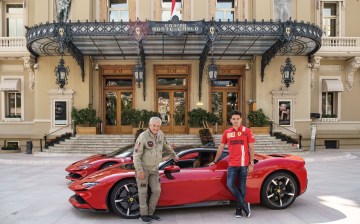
(175, 40)
(10, 85)
(332, 85)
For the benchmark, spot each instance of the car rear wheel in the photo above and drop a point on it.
(279, 191)
(124, 199)
(106, 165)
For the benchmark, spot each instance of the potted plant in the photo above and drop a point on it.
(199, 119)
(258, 122)
(85, 120)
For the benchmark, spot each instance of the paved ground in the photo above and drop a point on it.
(34, 190)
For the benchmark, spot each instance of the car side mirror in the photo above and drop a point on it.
(171, 169)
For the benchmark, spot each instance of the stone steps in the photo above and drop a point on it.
(92, 144)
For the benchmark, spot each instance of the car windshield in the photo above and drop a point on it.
(122, 152)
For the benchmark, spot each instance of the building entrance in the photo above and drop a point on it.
(226, 96)
(172, 97)
(118, 102)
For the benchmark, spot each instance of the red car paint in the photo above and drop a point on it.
(191, 185)
(97, 162)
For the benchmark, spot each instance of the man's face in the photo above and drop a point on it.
(235, 120)
(154, 127)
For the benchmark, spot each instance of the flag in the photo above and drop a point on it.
(172, 6)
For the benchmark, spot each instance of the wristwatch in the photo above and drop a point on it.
(252, 163)
(215, 161)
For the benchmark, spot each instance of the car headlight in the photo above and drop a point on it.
(89, 185)
(84, 167)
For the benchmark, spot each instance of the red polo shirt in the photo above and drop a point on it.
(238, 145)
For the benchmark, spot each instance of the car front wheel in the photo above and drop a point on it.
(279, 191)
(124, 199)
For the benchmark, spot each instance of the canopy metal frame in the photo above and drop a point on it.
(174, 40)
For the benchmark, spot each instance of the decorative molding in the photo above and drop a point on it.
(352, 65)
(29, 67)
(314, 67)
(334, 68)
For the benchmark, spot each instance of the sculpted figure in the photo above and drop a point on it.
(63, 9)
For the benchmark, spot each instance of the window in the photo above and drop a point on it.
(118, 10)
(14, 20)
(12, 105)
(12, 99)
(329, 19)
(225, 10)
(332, 17)
(329, 106)
(166, 9)
(330, 97)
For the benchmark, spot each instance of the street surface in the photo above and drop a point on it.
(34, 190)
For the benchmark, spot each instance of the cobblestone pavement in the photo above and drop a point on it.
(34, 190)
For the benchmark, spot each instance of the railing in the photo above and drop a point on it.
(12, 42)
(46, 135)
(340, 42)
(272, 128)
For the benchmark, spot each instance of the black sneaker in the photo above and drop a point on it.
(145, 218)
(238, 213)
(155, 217)
(246, 209)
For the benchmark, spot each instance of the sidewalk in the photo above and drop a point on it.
(66, 159)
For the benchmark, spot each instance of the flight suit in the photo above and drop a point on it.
(147, 156)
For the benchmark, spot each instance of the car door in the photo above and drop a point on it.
(194, 185)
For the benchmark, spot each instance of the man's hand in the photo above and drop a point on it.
(250, 168)
(141, 175)
(176, 158)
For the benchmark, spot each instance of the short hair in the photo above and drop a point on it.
(235, 112)
(155, 119)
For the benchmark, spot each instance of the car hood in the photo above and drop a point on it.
(89, 159)
(123, 169)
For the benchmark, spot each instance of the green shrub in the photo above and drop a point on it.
(257, 118)
(198, 116)
(85, 117)
(10, 147)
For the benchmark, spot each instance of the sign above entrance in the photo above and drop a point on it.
(175, 27)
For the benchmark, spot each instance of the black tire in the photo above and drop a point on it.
(106, 165)
(124, 199)
(279, 191)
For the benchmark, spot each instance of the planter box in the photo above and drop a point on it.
(85, 130)
(195, 131)
(260, 130)
(134, 130)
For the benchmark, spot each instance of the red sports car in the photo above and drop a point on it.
(275, 182)
(93, 163)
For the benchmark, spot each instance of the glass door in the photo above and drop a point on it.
(225, 95)
(118, 105)
(171, 104)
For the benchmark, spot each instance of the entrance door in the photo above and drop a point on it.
(171, 104)
(118, 102)
(172, 96)
(225, 97)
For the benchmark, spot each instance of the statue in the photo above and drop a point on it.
(63, 9)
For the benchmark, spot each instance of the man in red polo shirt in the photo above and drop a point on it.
(240, 141)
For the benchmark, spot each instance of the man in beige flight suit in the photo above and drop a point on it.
(147, 156)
